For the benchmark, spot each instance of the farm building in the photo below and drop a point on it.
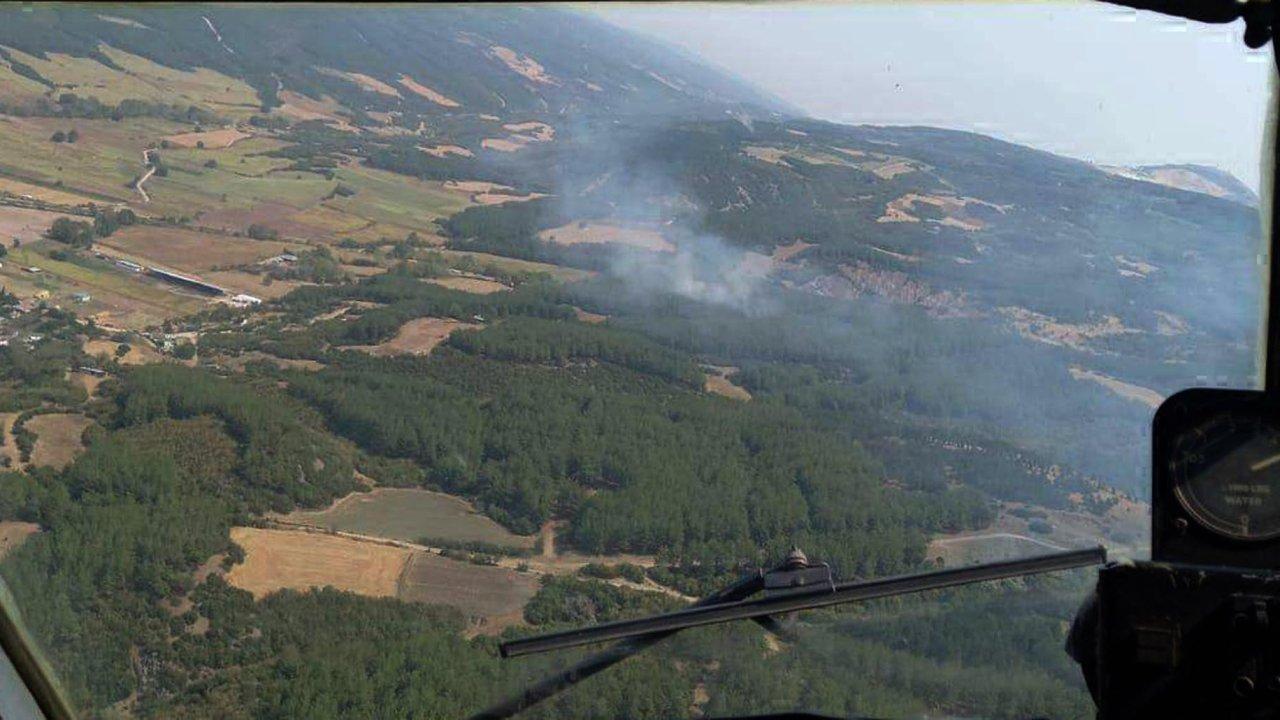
(186, 281)
(243, 300)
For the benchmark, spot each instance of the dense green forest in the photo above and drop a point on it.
(536, 416)
(181, 455)
(637, 465)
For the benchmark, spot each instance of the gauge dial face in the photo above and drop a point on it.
(1226, 474)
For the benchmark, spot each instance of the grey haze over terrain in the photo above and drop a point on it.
(1083, 79)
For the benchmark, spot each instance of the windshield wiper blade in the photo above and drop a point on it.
(803, 600)
(731, 604)
(553, 685)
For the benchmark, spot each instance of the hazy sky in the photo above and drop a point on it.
(1083, 79)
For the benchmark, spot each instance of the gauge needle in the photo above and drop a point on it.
(1264, 464)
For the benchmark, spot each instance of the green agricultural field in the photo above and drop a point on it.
(244, 158)
(139, 79)
(396, 200)
(409, 514)
(190, 186)
(335, 224)
(559, 272)
(101, 164)
(116, 297)
(15, 87)
(495, 594)
(108, 157)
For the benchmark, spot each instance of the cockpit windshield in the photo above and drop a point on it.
(340, 345)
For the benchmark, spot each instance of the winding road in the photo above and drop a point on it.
(151, 170)
(557, 565)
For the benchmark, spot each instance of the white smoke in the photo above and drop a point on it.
(703, 268)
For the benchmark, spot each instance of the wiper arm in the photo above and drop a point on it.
(796, 586)
(553, 685)
(804, 599)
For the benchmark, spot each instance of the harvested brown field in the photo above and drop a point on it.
(499, 198)
(885, 167)
(188, 250)
(589, 317)
(495, 593)
(418, 336)
(473, 186)
(426, 92)
(212, 139)
(57, 438)
(300, 107)
(446, 150)
(390, 131)
(139, 353)
(408, 514)
(890, 169)
(501, 145)
(534, 130)
(287, 220)
(40, 192)
(955, 210)
(783, 253)
(1180, 178)
(480, 286)
(362, 270)
(772, 155)
(368, 83)
(593, 233)
(1128, 391)
(26, 224)
(487, 193)
(718, 382)
(13, 533)
(522, 65)
(300, 560)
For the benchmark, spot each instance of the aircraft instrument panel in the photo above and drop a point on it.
(1216, 490)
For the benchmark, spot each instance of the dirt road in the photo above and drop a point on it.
(151, 170)
(566, 564)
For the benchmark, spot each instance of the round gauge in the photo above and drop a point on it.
(1226, 475)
